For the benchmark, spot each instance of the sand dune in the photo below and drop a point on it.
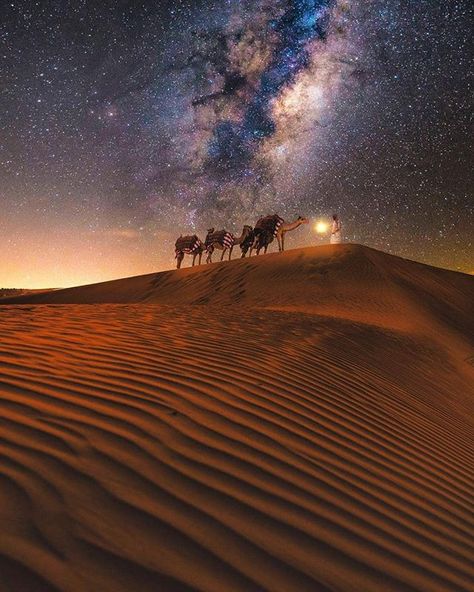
(14, 292)
(293, 422)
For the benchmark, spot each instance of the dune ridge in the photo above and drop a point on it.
(301, 421)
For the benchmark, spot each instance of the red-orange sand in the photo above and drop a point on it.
(293, 422)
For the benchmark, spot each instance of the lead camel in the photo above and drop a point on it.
(288, 227)
(270, 227)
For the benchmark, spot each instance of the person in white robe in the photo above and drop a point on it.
(336, 231)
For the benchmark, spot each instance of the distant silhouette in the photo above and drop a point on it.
(336, 230)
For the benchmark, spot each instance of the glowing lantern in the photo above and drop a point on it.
(321, 227)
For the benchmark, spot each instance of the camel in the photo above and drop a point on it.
(270, 227)
(188, 245)
(246, 231)
(224, 241)
(287, 227)
(264, 232)
(247, 243)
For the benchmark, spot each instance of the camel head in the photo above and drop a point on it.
(210, 230)
(303, 220)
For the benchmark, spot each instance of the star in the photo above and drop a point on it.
(175, 116)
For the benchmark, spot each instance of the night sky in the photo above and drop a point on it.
(126, 123)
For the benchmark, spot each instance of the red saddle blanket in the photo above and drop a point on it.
(188, 244)
(221, 237)
(269, 224)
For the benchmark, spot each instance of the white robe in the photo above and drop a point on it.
(336, 235)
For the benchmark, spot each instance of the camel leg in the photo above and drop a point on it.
(280, 241)
(209, 255)
(230, 252)
(200, 257)
(253, 246)
(179, 259)
(223, 253)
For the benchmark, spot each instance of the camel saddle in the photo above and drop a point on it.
(269, 224)
(221, 237)
(188, 244)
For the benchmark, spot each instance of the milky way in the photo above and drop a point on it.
(124, 124)
(260, 82)
(294, 26)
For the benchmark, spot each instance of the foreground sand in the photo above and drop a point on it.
(307, 425)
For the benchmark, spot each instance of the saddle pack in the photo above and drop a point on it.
(220, 237)
(268, 225)
(188, 244)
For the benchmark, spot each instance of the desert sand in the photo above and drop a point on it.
(294, 422)
(14, 292)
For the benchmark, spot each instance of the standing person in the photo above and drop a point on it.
(336, 234)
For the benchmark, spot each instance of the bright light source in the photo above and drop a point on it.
(321, 227)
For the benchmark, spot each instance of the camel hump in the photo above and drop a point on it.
(188, 244)
(221, 237)
(269, 224)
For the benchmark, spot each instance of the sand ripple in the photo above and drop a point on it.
(216, 448)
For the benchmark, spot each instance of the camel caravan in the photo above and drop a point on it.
(252, 239)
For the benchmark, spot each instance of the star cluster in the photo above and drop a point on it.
(124, 124)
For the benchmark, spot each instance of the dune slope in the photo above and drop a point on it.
(307, 426)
